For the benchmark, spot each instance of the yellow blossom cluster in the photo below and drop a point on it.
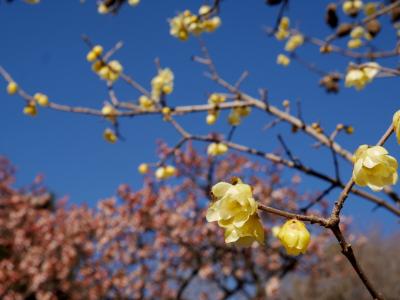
(110, 136)
(187, 23)
(146, 103)
(162, 83)
(41, 99)
(106, 70)
(30, 109)
(396, 125)
(359, 77)
(236, 115)
(215, 149)
(294, 236)
(351, 7)
(235, 210)
(283, 60)
(283, 29)
(165, 172)
(216, 98)
(374, 167)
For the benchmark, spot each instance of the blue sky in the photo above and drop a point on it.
(41, 47)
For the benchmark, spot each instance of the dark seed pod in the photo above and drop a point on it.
(344, 29)
(395, 15)
(373, 27)
(331, 17)
(330, 82)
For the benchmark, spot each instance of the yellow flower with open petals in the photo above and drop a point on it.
(374, 167)
(360, 77)
(294, 236)
(244, 236)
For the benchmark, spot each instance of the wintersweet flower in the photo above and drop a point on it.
(30, 109)
(110, 136)
(294, 42)
(162, 83)
(234, 118)
(165, 172)
(146, 103)
(283, 32)
(396, 125)
(351, 7)
(215, 149)
(41, 99)
(374, 167)
(216, 98)
(354, 43)
(359, 77)
(211, 118)
(357, 32)
(109, 112)
(283, 60)
(236, 210)
(94, 53)
(294, 236)
(12, 88)
(244, 236)
(143, 168)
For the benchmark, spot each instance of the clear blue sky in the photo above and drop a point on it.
(41, 47)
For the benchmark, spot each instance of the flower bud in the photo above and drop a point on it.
(294, 236)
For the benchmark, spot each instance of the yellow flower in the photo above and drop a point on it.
(30, 109)
(165, 172)
(396, 125)
(354, 43)
(178, 26)
(32, 1)
(91, 56)
(216, 98)
(143, 168)
(215, 149)
(245, 235)
(94, 53)
(284, 23)
(359, 77)
(294, 236)
(294, 42)
(283, 60)
(41, 99)
(352, 6)
(102, 9)
(146, 103)
(243, 111)
(236, 210)
(109, 112)
(357, 32)
(281, 34)
(133, 2)
(211, 24)
(110, 136)
(211, 118)
(163, 83)
(12, 88)
(234, 118)
(370, 8)
(374, 167)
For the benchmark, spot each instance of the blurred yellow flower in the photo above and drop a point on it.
(30, 109)
(133, 2)
(359, 77)
(357, 32)
(146, 103)
(143, 168)
(245, 235)
(283, 60)
(374, 167)
(216, 98)
(41, 99)
(352, 6)
(215, 149)
(162, 83)
(12, 88)
(165, 172)
(294, 42)
(354, 43)
(211, 118)
(110, 136)
(294, 236)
